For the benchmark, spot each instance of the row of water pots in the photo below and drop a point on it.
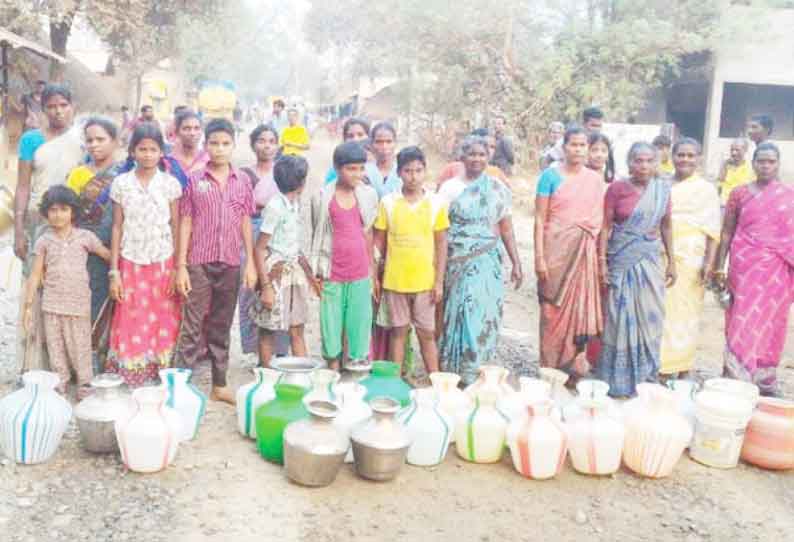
(146, 426)
(725, 421)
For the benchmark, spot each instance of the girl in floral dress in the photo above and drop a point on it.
(147, 313)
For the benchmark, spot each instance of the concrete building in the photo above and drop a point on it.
(718, 91)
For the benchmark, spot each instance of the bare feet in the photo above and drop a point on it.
(224, 394)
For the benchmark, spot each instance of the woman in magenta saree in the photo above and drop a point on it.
(759, 235)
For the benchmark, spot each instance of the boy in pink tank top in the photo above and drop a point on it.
(342, 218)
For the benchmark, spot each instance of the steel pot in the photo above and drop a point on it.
(381, 444)
(315, 448)
(296, 371)
(97, 413)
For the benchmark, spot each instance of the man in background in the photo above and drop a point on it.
(503, 156)
(295, 137)
(759, 128)
(278, 119)
(32, 104)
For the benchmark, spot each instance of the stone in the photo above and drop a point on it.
(581, 517)
(62, 520)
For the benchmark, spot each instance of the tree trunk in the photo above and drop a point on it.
(60, 28)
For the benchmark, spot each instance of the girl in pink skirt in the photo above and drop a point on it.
(147, 312)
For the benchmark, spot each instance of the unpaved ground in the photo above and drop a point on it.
(220, 489)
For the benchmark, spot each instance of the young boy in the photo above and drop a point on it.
(411, 229)
(342, 217)
(295, 137)
(736, 170)
(215, 210)
(664, 145)
(283, 270)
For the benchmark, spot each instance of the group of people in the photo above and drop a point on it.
(135, 265)
(623, 264)
(138, 264)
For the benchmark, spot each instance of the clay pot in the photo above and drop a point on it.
(769, 441)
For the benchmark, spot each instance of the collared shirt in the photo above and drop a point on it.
(281, 220)
(383, 185)
(146, 237)
(217, 216)
(66, 289)
(322, 228)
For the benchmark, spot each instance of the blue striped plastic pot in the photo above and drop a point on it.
(34, 419)
(185, 398)
(253, 395)
(429, 427)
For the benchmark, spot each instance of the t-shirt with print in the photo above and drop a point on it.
(146, 237)
(349, 254)
(281, 220)
(66, 287)
(410, 240)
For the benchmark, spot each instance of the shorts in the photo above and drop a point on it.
(407, 308)
(290, 309)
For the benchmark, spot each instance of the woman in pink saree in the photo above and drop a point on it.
(758, 232)
(568, 218)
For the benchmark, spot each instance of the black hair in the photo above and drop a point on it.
(51, 91)
(572, 131)
(609, 170)
(279, 101)
(686, 141)
(219, 125)
(349, 152)
(261, 129)
(125, 108)
(592, 113)
(184, 115)
(146, 130)
(178, 109)
(290, 173)
(60, 194)
(764, 120)
(106, 124)
(354, 121)
(388, 126)
(408, 155)
(480, 132)
(662, 141)
(766, 146)
(471, 141)
(146, 107)
(41, 82)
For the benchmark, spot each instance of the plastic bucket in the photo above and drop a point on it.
(720, 423)
(739, 388)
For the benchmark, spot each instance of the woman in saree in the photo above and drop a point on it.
(696, 230)
(758, 233)
(636, 225)
(568, 218)
(46, 156)
(264, 143)
(480, 223)
(91, 181)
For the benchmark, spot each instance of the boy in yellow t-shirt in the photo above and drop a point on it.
(664, 145)
(736, 170)
(295, 137)
(411, 229)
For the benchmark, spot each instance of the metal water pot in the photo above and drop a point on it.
(381, 444)
(97, 413)
(296, 371)
(315, 448)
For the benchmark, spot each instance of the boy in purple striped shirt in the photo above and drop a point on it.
(215, 220)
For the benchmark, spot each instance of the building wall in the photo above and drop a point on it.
(766, 59)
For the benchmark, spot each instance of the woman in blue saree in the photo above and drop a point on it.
(480, 224)
(636, 224)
